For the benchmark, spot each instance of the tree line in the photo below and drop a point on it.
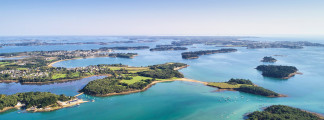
(37, 99)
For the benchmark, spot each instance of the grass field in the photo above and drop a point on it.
(139, 78)
(77, 74)
(135, 79)
(130, 69)
(58, 76)
(223, 85)
(22, 68)
(3, 63)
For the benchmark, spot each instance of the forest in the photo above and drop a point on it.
(277, 71)
(257, 90)
(112, 85)
(39, 99)
(282, 112)
(244, 85)
(240, 81)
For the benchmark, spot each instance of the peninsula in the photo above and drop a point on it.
(196, 54)
(37, 101)
(244, 85)
(133, 79)
(278, 71)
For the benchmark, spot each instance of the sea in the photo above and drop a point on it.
(180, 100)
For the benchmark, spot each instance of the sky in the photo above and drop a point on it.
(161, 17)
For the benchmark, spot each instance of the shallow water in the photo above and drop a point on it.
(186, 100)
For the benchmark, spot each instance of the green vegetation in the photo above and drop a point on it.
(163, 71)
(257, 90)
(196, 54)
(135, 79)
(277, 71)
(113, 85)
(123, 55)
(30, 99)
(282, 112)
(103, 86)
(3, 63)
(240, 81)
(268, 59)
(123, 80)
(223, 85)
(168, 48)
(58, 76)
(243, 85)
(24, 73)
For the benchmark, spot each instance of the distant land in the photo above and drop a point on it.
(196, 54)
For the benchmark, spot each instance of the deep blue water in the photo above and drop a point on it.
(186, 100)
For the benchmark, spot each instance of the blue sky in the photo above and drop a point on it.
(161, 17)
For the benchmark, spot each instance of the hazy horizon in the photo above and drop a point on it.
(161, 18)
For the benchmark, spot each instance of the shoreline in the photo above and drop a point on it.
(52, 63)
(150, 85)
(8, 108)
(49, 109)
(233, 89)
(292, 75)
(49, 82)
(314, 113)
(72, 102)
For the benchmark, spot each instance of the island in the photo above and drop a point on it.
(125, 48)
(196, 54)
(283, 112)
(278, 71)
(268, 59)
(33, 42)
(244, 85)
(125, 80)
(168, 48)
(37, 101)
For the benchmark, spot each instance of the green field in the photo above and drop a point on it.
(168, 79)
(223, 85)
(139, 78)
(130, 69)
(58, 76)
(135, 79)
(3, 63)
(74, 75)
(22, 68)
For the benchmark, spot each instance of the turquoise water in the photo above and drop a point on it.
(186, 100)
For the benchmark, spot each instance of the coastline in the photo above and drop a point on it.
(48, 109)
(292, 75)
(8, 108)
(69, 103)
(234, 89)
(314, 113)
(150, 85)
